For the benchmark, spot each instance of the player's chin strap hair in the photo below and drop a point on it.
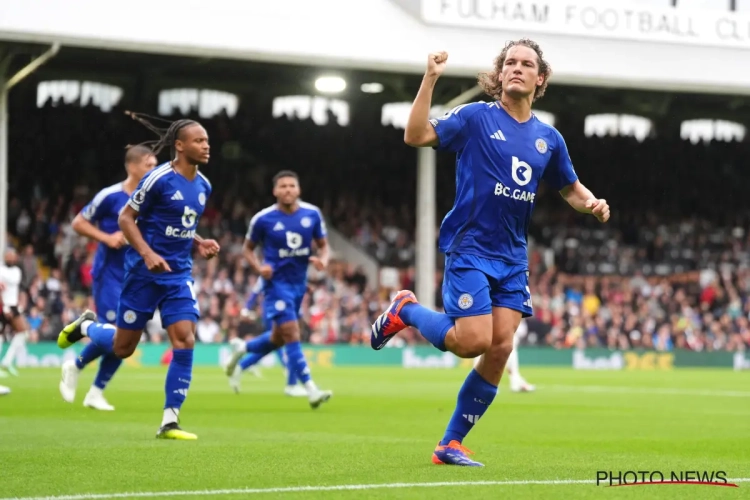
(167, 136)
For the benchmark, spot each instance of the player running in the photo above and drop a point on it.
(98, 221)
(503, 151)
(159, 222)
(286, 230)
(517, 382)
(250, 361)
(11, 314)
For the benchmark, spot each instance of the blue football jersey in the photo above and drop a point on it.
(287, 240)
(169, 207)
(103, 212)
(499, 163)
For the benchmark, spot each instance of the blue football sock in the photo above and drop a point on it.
(103, 335)
(179, 375)
(296, 361)
(281, 356)
(261, 344)
(291, 375)
(107, 368)
(433, 326)
(89, 353)
(474, 398)
(250, 360)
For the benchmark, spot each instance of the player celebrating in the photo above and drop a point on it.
(167, 205)
(98, 221)
(503, 151)
(287, 230)
(10, 285)
(250, 361)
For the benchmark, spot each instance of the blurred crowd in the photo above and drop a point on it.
(669, 271)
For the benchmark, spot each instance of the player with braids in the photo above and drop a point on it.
(167, 205)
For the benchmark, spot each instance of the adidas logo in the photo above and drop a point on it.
(498, 135)
(177, 196)
(278, 227)
(471, 418)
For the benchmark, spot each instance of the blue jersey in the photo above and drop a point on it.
(103, 212)
(499, 165)
(287, 241)
(169, 207)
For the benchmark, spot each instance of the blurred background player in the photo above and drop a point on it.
(12, 316)
(250, 361)
(98, 221)
(516, 381)
(159, 222)
(287, 231)
(503, 152)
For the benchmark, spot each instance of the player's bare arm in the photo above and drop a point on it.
(583, 200)
(85, 228)
(208, 249)
(154, 262)
(320, 261)
(419, 132)
(264, 270)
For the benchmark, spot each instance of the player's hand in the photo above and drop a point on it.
(318, 263)
(266, 271)
(436, 63)
(208, 249)
(116, 240)
(155, 263)
(599, 209)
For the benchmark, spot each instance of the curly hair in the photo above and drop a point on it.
(490, 80)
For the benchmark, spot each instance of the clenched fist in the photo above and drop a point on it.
(436, 63)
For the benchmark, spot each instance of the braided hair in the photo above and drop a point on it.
(167, 136)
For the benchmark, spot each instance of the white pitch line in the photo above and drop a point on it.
(645, 390)
(302, 489)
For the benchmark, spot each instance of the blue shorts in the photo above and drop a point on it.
(142, 295)
(282, 303)
(106, 290)
(473, 285)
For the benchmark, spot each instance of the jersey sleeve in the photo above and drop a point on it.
(319, 230)
(560, 172)
(147, 192)
(255, 230)
(96, 208)
(452, 127)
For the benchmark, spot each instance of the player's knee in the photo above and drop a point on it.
(184, 342)
(123, 350)
(289, 332)
(498, 353)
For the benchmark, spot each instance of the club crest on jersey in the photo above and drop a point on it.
(465, 301)
(202, 199)
(541, 145)
(305, 222)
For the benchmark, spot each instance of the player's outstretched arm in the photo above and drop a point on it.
(583, 200)
(85, 228)
(154, 262)
(419, 132)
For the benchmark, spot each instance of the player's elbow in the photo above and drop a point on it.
(420, 138)
(125, 219)
(77, 223)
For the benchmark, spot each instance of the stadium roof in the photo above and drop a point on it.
(142, 76)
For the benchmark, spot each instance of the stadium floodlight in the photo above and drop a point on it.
(330, 84)
(372, 88)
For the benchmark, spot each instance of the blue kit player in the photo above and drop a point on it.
(159, 222)
(503, 152)
(98, 221)
(287, 231)
(250, 361)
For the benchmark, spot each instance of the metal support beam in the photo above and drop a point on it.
(5, 85)
(426, 237)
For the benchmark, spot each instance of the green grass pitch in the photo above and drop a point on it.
(379, 429)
